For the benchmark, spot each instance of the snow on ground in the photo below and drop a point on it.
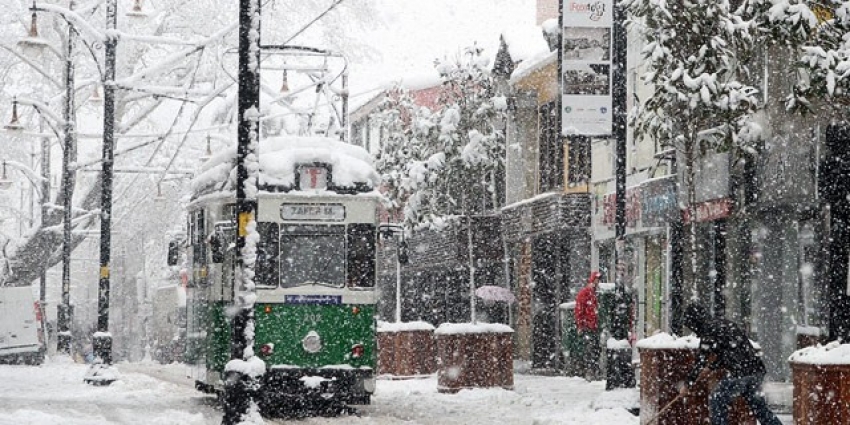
(54, 393)
(149, 393)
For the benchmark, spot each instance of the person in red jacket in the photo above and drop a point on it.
(587, 325)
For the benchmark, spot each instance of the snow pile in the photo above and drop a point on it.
(665, 341)
(472, 328)
(350, 165)
(808, 330)
(253, 367)
(626, 398)
(314, 381)
(525, 42)
(404, 326)
(833, 353)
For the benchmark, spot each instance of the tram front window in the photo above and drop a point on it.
(312, 255)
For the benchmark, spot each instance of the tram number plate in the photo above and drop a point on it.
(313, 299)
(321, 212)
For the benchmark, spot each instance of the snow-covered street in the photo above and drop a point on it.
(149, 393)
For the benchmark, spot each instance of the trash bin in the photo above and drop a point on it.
(665, 361)
(821, 377)
(474, 356)
(571, 346)
(406, 350)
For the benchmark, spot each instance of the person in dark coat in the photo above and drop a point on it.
(724, 345)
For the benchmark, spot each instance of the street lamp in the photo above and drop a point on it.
(137, 13)
(33, 44)
(14, 124)
(5, 183)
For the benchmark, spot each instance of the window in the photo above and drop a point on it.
(551, 172)
(268, 255)
(361, 255)
(312, 255)
(197, 230)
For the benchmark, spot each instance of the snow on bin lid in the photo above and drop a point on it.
(568, 306)
(607, 286)
(833, 353)
(665, 341)
(472, 328)
(350, 164)
(404, 326)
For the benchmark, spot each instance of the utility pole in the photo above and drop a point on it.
(102, 340)
(620, 373)
(240, 388)
(64, 313)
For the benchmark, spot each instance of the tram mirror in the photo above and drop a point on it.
(173, 253)
(403, 257)
(217, 248)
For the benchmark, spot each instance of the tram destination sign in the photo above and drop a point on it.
(313, 212)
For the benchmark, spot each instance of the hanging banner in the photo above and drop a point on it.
(586, 67)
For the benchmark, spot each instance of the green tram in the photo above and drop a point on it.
(315, 277)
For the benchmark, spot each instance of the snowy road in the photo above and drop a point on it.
(163, 395)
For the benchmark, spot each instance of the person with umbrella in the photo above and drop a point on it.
(587, 326)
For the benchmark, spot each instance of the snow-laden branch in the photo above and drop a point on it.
(76, 20)
(44, 110)
(31, 64)
(154, 39)
(176, 57)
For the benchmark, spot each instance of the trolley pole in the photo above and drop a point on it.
(240, 388)
(619, 372)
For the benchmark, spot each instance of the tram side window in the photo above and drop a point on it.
(198, 228)
(361, 255)
(268, 254)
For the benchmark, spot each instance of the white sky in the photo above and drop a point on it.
(418, 31)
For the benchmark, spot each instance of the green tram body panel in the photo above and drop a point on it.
(285, 325)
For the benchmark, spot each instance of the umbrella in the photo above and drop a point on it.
(495, 293)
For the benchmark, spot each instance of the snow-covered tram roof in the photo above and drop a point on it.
(351, 166)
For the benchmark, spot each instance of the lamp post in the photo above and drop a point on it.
(34, 42)
(619, 373)
(69, 154)
(102, 339)
(240, 387)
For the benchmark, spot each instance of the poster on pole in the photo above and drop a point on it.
(586, 68)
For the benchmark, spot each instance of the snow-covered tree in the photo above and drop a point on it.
(824, 58)
(457, 153)
(405, 126)
(697, 56)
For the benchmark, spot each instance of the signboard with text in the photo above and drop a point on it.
(312, 212)
(586, 67)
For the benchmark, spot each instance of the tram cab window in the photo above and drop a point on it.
(312, 255)
(361, 255)
(268, 254)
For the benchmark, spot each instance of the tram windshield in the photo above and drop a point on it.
(313, 255)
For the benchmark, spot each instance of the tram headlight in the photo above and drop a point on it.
(267, 349)
(312, 343)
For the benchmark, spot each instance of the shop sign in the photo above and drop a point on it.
(658, 201)
(585, 67)
(609, 207)
(711, 210)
